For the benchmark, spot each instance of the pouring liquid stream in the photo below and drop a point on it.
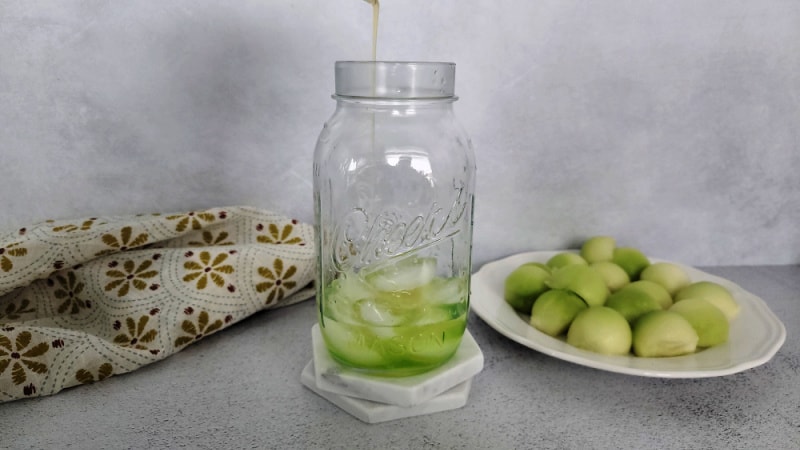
(375, 13)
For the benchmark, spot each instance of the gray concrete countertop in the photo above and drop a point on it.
(240, 389)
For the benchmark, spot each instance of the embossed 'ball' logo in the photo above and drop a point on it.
(363, 238)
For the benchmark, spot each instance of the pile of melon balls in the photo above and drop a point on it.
(612, 300)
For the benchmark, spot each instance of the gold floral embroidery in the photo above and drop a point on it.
(130, 275)
(10, 250)
(207, 269)
(69, 228)
(70, 292)
(197, 331)
(137, 335)
(277, 280)
(125, 241)
(14, 312)
(192, 219)
(84, 376)
(210, 240)
(279, 236)
(20, 357)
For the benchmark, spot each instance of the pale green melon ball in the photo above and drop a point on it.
(540, 265)
(554, 310)
(600, 329)
(632, 303)
(663, 333)
(631, 260)
(654, 290)
(598, 248)
(523, 285)
(563, 259)
(708, 321)
(714, 293)
(671, 276)
(584, 281)
(615, 277)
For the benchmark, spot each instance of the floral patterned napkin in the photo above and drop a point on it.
(84, 300)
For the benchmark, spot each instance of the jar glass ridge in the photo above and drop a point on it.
(394, 178)
(392, 80)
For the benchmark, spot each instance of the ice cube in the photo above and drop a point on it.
(404, 275)
(354, 288)
(444, 291)
(341, 297)
(377, 314)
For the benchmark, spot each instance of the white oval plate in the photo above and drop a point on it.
(755, 335)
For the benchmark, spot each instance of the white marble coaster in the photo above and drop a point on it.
(402, 391)
(374, 412)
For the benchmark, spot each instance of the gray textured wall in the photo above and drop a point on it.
(673, 125)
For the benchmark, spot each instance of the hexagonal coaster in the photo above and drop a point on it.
(401, 391)
(374, 412)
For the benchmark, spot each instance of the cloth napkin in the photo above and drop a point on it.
(83, 300)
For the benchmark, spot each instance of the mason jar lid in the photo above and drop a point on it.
(395, 80)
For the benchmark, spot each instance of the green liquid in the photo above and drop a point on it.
(393, 333)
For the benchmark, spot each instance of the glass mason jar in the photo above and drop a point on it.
(394, 177)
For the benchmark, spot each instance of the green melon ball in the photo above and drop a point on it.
(632, 303)
(563, 259)
(712, 292)
(655, 290)
(584, 281)
(598, 248)
(671, 276)
(554, 310)
(663, 333)
(523, 285)
(600, 329)
(540, 265)
(615, 277)
(632, 261)
(708, 321)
